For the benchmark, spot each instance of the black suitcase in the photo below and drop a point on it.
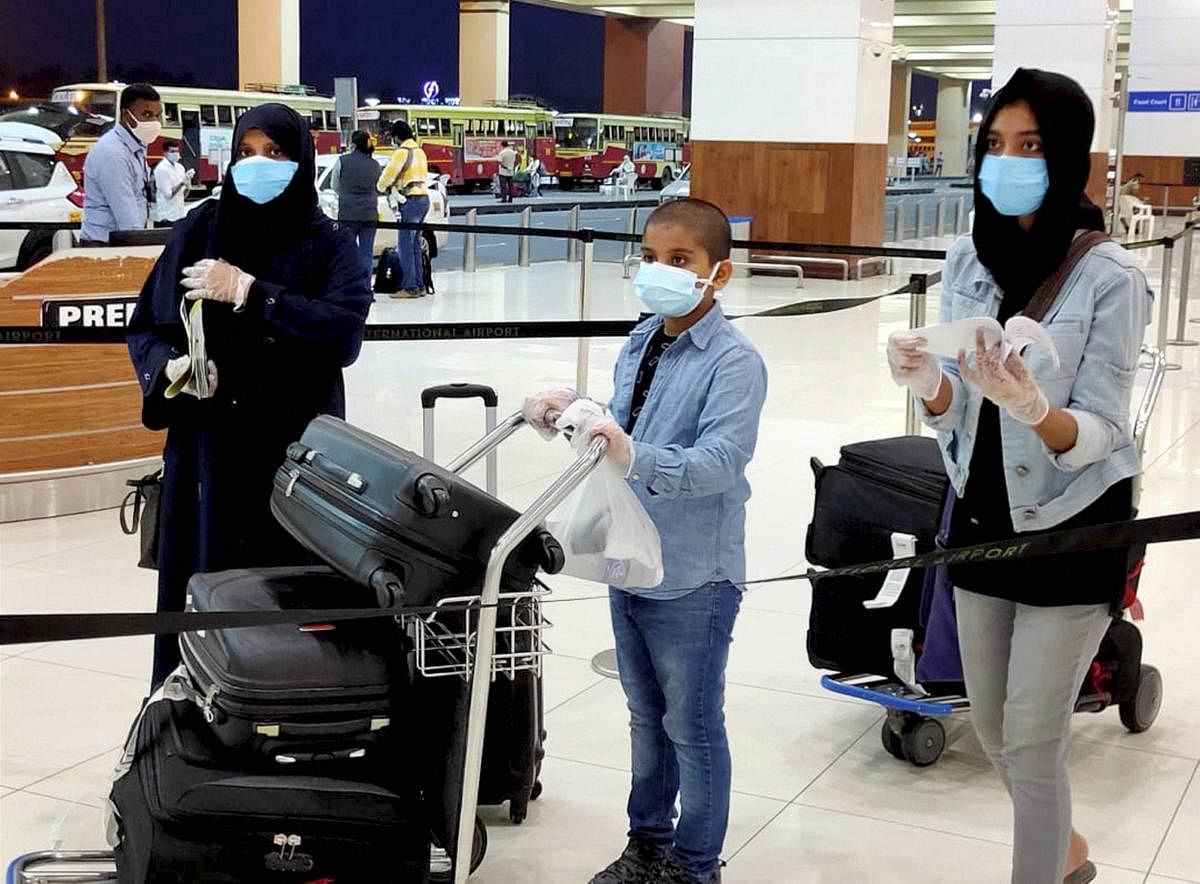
(318, 693)
(876, 488)
(387, 274)
(187, 815)
(394, 521)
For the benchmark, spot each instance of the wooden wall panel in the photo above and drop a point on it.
(78, 449)
(1161, 173)
(57, 366)
(78, 410)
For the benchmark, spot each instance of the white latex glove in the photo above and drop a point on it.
(1006, 382)
(191, 173)
(620, 446)
(541, 410)
(178, 367)
(217, 281)
(912, 367)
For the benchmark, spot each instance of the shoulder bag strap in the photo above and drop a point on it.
(1047, 293)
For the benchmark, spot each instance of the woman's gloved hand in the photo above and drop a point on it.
(1005, 381)
(620, 446)
(217, 280)
(912, 367)
(179, 366)
(541, 410)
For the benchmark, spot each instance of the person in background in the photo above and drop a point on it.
(117, 187)
(508, 168)
(939, 163)
(353, 179)
(1034, 444)
(535, 177)
(285, 302)
(171, 183)
(407, 172)
(688, 394)
(1128, 199)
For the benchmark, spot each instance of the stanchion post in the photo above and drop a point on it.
(631, 229)
(583, 348)
(1185, 277)
(918, 286)
(1164, 299)
(940, 225)
(921, 212)
(899, 220)
(523, 240)
(469, 244)
(573, 244)
(960, 213)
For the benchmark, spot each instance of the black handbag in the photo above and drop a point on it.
(139, 512)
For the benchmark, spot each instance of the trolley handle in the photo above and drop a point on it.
(430, 396)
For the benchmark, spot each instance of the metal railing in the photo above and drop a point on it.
(940, 228)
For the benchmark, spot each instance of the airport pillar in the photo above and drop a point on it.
(901, 100)
(643, 67)
(1073, 37)
(952, 132)
(1162, 128)
(483, 51)
(268, 42)
(790, 115)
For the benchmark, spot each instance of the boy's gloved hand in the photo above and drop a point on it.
(620, 446)
(912, 367)
(217, 281)
(541, 410)
(1006, 382)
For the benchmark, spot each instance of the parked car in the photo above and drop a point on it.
(34, 186)
(680, 188)
(439, 204)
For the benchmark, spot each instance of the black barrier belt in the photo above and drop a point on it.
(34, 628)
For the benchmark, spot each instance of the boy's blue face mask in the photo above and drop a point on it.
(671, 291)
(261, 179)
(1015, 185)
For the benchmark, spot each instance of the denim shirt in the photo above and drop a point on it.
(115, 185)
(1097, 323)
(691, 445)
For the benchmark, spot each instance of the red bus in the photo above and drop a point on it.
(590, 146)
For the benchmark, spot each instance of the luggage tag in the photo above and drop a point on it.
(903, 546)
(904, 661)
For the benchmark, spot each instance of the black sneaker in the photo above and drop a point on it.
(638, 864)
(671, 872)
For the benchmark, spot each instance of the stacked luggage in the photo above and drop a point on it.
(321, 752)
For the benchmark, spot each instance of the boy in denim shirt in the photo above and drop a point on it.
(689, 390)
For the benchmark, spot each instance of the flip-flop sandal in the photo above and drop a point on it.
(1082, 875)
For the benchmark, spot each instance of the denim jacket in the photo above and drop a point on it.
(691, 445)
(1097, 323)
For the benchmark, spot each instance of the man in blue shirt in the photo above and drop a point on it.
(117, 188)
(689, 391)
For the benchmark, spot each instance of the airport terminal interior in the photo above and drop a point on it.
(819, 123)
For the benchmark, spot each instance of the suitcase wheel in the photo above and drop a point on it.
(536, 793)
(518, 809)
(1139, 713)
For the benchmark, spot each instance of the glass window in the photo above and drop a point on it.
(581, 134)
(446, 127)
(239, 110)
(620, 133)
(316, 119)
(492, 127)
(208, 115)
(6, 178)
(33, 170)
(171, 113)
(224, 115)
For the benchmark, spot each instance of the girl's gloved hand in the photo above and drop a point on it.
(541, 410)
(912, 367)
(217, 280)
(179, 366)
(1006, 382)
(620, 446)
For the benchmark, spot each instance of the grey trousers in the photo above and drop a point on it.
(1023, 666)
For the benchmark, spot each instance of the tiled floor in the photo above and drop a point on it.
(816, 799)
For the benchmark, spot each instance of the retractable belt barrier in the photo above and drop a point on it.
(35, 628)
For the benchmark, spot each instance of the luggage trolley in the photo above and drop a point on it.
(913, 730)
(441, 650)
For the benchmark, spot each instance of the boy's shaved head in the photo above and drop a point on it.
(702, 219)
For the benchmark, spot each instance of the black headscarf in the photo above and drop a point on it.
(249, 235)
(1020, 260)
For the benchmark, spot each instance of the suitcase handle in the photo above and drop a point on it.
(302, 454)
(309, 730)
(430, 396)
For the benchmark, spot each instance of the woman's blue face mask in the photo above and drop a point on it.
(1014, 185)
(261, 179)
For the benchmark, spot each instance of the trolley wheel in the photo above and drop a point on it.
(891, 741)
(923, 741)
(1139, 713)
(537, 791)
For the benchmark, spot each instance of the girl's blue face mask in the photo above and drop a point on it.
(260, 179)
(671, 291)
(1015, 185)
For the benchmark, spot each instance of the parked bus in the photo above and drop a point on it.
(589, 146)
(464, 142)
(202, 120)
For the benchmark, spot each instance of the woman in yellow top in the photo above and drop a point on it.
(407, 172)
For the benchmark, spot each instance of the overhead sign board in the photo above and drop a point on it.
(1180, 102)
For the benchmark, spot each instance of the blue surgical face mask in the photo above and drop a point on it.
(671, 291)
(172, 156)
(1015, 185)
(261, 179)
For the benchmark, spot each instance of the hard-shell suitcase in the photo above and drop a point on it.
(394, 521)
(387, 274)
(876, 495)
(188, 815)
(318, 693)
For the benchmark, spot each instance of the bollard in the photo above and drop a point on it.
(921, 207)
(583, 348)
(469, 245)
(573, 244)
(523, 240)
(631, 229)
(1185, 278)
(940, 224)
(960, 212)
(1164, 300)
(899, 227)
(916, 319)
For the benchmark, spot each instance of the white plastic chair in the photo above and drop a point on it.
(1141, 221)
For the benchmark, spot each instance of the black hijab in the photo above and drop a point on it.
(250, 235)
(1020, 260)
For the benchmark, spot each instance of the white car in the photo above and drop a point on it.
(439, 205)
(34, 186)
(680, 188)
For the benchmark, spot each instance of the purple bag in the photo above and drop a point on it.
(940, 659)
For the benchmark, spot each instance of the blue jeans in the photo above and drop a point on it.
(408, 245)
(671, 655)
(364, 234)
